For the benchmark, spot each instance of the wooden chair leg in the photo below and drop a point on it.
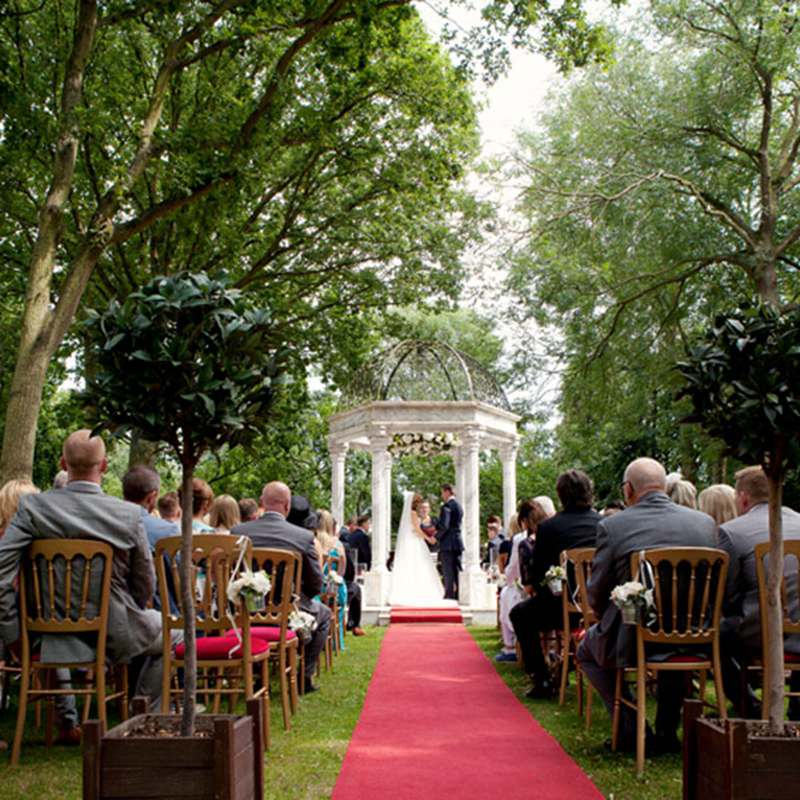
(283, 676)
(579, 688)
(24, 685)
(641, 718)
(293, 678)
(588, 705)
(50, 682)
(722, 703)
(100, 692)
(566, 639)
(615, 716)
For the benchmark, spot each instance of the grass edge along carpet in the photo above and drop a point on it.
(439, 722)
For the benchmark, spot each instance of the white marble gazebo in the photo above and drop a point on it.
(456, 396)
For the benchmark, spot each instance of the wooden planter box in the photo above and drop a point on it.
(725, 761)
(226, 766)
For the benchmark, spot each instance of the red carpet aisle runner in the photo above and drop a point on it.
(413, 614)
(439, 723)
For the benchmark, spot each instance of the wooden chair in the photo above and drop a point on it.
(64, 589)
(688, 591)
(790, 599)
(272, 623)
(223, 662)
(338, 611)
(577, 561)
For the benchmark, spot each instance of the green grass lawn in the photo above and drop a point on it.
(614, 774)
(301, 765)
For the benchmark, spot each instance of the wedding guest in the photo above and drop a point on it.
(331, 548)
(248, 509)
(527, 520)
(325, 533)
(611, 508)
(359, 540)
(719, 502)
(547, 504)
(224, 514)
(427, 523)
(202, 497)
(60, 480)
(683, 493)
(273, 530)
(169, 507)
(353, 588)
(649, 520)
(82, 510)
(10, 495)
(740, 630)
(574, 526)
(140, 485)
(494, 537)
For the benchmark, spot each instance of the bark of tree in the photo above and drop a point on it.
(774, 680)
(143, 451)
(187, 602)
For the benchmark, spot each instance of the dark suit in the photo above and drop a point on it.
(359, 540)
(448, 535)
(740, 633)
(655, 521)
(542, 612)
(353, 589)
(272, 531)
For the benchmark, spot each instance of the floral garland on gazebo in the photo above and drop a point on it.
(422, 444)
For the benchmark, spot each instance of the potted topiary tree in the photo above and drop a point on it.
(185, 360)
(743, 381)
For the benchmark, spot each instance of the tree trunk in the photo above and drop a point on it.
(774, 680)
(187, 602)
(24, 402)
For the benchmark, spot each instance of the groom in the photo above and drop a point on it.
(448, 534)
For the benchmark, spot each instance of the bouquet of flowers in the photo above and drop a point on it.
(633, 600)
(303, 624)
(554, 578)
(496, 577)
(252, 587)
(333, 581)
(422, 444)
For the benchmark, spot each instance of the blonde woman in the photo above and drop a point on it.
(683, 493)
(9, 500)
(328, 545)
(719, 502)
(224, 514)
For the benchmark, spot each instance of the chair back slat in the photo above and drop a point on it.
(790, 586)
(692, 616)
(47, 602)
(580, 561)
(214, 556)
(281, 566)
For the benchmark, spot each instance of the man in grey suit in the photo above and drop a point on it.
(273, 531)
(82, 511)
(740, 634)
(650, 520)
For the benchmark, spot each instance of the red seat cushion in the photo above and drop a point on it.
(216, 648)
(685, 659)
(267, 633)
(792, 658)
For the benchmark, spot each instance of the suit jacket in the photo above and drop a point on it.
(565, 530)
(448, 527)
(274, 532)
(359, 541)
(655, 521)
(83, 511)
(739, 538)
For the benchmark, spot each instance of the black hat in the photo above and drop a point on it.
(301, 513)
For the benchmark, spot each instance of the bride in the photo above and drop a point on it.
(415, 581)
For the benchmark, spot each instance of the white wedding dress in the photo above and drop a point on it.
(414, 579)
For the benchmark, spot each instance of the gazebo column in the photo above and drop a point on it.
(472, 590)
(376, 580)
(508, 459)
(458, 464)
(338, 453)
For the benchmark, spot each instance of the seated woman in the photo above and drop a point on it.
(224, 514)
(332, 553)
(67, 712)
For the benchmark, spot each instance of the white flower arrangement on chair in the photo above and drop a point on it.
(252, 587)
(554, 579)
(633, 600)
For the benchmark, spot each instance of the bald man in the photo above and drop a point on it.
(273, 531)
(650, 520)
(82, 511)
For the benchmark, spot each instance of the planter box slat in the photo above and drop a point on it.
(173, 753)
(242, 735)
(127, 782)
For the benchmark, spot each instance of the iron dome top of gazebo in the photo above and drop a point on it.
(425, 370)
